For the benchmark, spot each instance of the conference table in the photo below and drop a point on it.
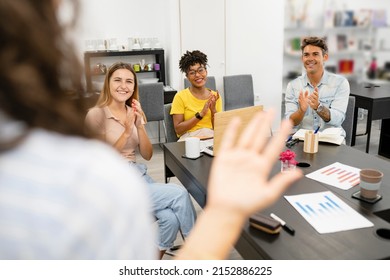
(307, 243)
(376, 100)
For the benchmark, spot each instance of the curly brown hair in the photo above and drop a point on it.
(40, 73)
(315, 41)
(191, 58)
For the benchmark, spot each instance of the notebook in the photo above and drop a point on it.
(330, 135)
(221, 120)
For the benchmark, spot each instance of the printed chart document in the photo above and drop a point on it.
(329, 135)
(327, 213)
(338, 175)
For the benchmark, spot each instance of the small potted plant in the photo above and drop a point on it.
(287, 160)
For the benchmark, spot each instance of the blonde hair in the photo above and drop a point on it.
(105, 97)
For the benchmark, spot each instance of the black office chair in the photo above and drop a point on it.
(152, 101)
(348, 122)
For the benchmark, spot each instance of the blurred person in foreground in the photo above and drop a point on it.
(193, 108)
(318, 98)
(59, 200)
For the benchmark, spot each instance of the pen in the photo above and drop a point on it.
(318, 128)
(289, 138)
(288, 228)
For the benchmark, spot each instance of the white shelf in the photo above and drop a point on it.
(366, 40)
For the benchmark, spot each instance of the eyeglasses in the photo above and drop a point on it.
(200, 70)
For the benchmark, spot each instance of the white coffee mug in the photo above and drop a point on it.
(192, 145)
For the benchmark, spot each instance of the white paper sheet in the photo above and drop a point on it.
(338, 175)
(327, 213)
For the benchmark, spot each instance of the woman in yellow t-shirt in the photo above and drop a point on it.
(193, 108)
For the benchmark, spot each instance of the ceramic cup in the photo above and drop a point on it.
(370, 182)
(137, 67)
(192, 147)
(310, 145)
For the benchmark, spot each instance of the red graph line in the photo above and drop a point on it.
(347, 178)
(334, 171)
(328, 170)
(345, 175)
(341, 172)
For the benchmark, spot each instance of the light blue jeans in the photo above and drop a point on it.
(172, 207)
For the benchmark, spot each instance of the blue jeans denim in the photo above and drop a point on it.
(172, 207)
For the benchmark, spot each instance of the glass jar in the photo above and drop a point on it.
(287, 165)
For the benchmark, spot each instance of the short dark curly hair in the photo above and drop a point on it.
(315, 41)
(191, 58)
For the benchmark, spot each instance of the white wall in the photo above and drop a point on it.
(123, 19)
(254, 45)
(253, 35)
(204, 29)
(103, 19)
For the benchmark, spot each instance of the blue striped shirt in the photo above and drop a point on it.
(66, 197)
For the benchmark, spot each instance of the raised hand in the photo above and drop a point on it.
(239, 185)
(239, 180)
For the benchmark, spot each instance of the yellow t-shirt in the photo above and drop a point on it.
(184, 103)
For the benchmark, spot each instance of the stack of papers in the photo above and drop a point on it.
(329, 135)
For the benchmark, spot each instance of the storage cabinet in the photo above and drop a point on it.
(91, 59)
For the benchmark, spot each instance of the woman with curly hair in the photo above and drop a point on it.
(193, 108)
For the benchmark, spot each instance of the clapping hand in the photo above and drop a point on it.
(303, 100)
(129, 123)
(212, 102)
(313, 99)
(137, 109)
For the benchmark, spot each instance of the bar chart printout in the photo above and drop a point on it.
(338, 175)
(327, 213)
